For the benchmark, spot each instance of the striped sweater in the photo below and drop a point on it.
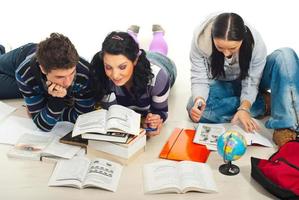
(45, 109)
(154, 101)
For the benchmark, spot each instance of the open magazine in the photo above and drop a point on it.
(81, 172)
(208, 134)
(37, 146)
(180, 177)
(113, 124)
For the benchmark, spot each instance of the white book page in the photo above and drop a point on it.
(55, 148)
(196, 175)
(104, 174)
(70, 172)
(61, 128)
(94, 121)
(30, 146)
(13, 127)
(208, 134)
(161, 176)
(253, 137)
(5, 110)
(122, 119)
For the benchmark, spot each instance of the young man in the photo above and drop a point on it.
(54, 81)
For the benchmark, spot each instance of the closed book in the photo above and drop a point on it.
(121, 150)
(77, 141)
(180, 146)
(92, 153)
(109, 136)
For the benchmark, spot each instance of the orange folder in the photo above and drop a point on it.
(180, 146)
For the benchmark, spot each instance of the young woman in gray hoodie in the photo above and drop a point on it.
(231, 72)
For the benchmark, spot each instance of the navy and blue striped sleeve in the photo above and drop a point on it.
(84, 100)
(46, 110)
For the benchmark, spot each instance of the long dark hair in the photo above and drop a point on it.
(230, 26)
(121, 43)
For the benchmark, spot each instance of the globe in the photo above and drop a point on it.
(231, 145)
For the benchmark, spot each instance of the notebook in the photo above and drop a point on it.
(180, 146)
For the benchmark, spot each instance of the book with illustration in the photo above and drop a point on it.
(207, 134)
(81, 172)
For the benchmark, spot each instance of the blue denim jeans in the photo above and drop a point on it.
(164, 62)
(279, 76)
(9, 62)
(2, 49)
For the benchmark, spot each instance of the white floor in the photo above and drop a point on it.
(86, 23)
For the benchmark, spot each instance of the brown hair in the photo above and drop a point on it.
(57, 52)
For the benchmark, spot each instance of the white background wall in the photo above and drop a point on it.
(87, 22)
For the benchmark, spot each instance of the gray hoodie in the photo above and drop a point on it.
(201, 77)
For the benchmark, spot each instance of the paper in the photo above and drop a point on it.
(13, 127)
(5, 110)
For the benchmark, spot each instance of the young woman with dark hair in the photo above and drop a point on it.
(231, 72)
(129, 76)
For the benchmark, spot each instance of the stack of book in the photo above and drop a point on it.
(119, 152)
(113, 134)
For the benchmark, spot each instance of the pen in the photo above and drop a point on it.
(199, 105)
(150, 129)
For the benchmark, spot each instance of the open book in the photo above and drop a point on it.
(208, 134)
(81, 172)
(113, 124)
(35, 146)
(179, 177)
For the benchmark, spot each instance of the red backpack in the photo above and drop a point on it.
(280, 174)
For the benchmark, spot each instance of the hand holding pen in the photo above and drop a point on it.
(153, 124)
(197, 109)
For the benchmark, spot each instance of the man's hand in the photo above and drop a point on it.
(56, 90)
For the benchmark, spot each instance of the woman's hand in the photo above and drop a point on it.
(156, 131)
(153, 123)
(244, 117)
(197, 110)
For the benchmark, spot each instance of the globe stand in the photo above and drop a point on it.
(229, 169)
